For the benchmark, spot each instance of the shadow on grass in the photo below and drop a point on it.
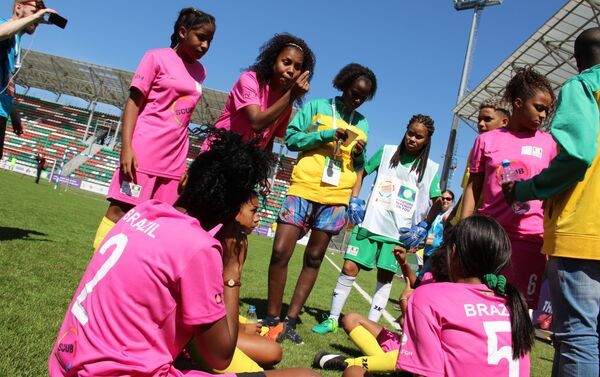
(261, 309)
(9, 233)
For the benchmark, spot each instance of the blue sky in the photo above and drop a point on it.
(416, 48)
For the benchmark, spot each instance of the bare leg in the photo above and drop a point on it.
(352, 320)
(263, 351)
(117, 209)
(350, 268)
(313, 256)
(384, 276)
(286, 236)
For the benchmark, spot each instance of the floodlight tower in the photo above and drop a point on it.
(477, 6)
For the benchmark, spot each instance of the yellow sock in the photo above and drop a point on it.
(241, 363)
(105, 226)
(365, 341)
(382, 363)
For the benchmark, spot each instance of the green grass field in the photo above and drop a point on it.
(45, 244)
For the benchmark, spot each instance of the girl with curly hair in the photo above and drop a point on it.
(529, 150)
(330, 136)
(165, 276)
(406, 184)
(163, 93)
(260, 103)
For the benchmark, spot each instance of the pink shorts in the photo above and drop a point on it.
(527, 269)
(389, 341)
(146, 187)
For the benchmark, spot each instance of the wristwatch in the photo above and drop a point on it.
(232, 283)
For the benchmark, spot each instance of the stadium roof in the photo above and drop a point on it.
(548, 50)
(97, 83)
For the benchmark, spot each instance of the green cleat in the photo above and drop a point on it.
(328, 325)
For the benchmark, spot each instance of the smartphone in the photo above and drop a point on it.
(57, 20)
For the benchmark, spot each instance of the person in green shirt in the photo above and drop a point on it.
(406, 184)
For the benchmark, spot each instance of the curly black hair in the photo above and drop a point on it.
(263, 65)
(525, 83)
(190, 18)
(352, 72)
(223, 178)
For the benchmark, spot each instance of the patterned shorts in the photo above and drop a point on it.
(308, 215)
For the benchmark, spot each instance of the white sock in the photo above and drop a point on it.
(380, 298)
(340, 294)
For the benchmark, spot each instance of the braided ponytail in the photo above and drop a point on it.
(189, 18)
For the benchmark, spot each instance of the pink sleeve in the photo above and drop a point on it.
(477, 163)
(245, 91)
(201, 287)
(145, 74)
(421, 350)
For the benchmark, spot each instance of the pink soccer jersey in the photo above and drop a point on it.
(156, 275)
(172, 88)
(245, 92)
(529, 153)
(455, 329)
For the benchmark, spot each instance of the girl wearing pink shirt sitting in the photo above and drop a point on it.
(529, 151)
(163, 93)
(475, 325)
(161, 278)
(260, 103)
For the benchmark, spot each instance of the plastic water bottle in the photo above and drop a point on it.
(251, 315)
(508, 174)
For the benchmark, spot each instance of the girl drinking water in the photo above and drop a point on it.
(330, 136)
(163, 93)
(260, 103)
(529, 150)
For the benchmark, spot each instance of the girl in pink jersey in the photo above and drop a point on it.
(260, 103)
(157, 280)
(162, 96)
(529, 151)
(477, 325)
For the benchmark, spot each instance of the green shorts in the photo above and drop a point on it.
(364, 251)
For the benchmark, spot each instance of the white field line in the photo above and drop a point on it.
(388, 317)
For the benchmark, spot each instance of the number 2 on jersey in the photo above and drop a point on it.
(119, 241)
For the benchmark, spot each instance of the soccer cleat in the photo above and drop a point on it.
(290, 333)
(274, 331)
(328, 325)
(329, 361)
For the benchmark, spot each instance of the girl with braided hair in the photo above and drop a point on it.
(406, 184)
(260, 103)
(529, 151)
(475, 325)
(163, 93)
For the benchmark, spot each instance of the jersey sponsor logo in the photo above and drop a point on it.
(407, 193)
(66, 348)
(131, 189)
(352, 250)
(530, 150)
(219, 298)
(182, 110)
(138, 76)
(519, 166)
